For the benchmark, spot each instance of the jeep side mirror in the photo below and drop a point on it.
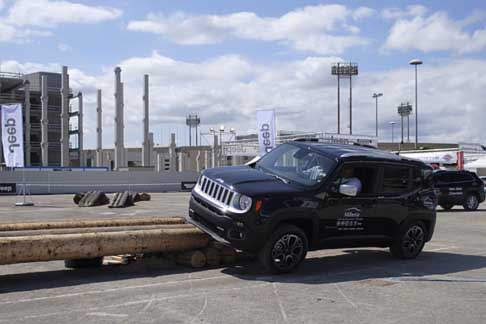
(348, 190)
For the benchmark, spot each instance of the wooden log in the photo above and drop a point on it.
(213, 257)
(59, 231)
(194, 259)
(91, 245)
(91, 223)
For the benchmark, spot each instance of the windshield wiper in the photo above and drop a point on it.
(265, 170)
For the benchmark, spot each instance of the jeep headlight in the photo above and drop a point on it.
(242, 202)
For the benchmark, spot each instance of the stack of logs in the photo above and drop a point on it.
(167, 238)
(84, 239)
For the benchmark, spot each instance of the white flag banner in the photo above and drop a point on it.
(266, 130)
(12, 135)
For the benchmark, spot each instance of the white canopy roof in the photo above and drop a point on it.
(479, 163)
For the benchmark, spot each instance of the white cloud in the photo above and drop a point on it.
(363, 12)
(10, 33)
(63, 47)
(436, 32)
(314, 28)
(26, 19)
(410, 11)
(45, 13)
(229, 89)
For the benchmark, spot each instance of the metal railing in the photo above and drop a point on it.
(11, 75)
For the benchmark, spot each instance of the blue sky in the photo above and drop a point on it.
(267, 54)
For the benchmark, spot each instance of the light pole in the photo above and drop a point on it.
(221, 158)
(376, 96)
(392, 123)
(416, 62)
(346, 70)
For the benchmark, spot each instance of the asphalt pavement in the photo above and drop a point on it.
(445, 284)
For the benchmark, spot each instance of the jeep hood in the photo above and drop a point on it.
(249, 181)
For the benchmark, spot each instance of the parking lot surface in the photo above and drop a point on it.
(445, 284)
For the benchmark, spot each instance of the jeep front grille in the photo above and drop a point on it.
(215, 191)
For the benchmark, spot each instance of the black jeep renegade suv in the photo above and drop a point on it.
(308, 195)
(459, 188)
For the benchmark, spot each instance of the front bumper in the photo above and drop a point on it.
(234, 230)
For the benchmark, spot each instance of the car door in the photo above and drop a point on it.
(344, 219)
(395, 197)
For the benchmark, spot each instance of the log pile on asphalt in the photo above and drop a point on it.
(84, 243)
(31, 242)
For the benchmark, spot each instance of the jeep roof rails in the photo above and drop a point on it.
(307, 139)
(365, 145)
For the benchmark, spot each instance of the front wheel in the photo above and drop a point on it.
(471, 202)
(410, 241)
(285, 250)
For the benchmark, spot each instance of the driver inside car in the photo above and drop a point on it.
(349, 178)
(310, 167)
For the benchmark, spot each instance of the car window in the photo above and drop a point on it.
(362, 174)
(396, 180)
(418, 177)
(295, 163)
(449, 177)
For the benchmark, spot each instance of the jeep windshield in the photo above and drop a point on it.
(296, 164)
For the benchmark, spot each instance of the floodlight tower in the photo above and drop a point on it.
(345, 70)
(192, 121)
(404, 110)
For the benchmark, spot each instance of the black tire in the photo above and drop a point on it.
(410, 240)
(277, 248)
(471, 202)
(84, 263)
(447, 206)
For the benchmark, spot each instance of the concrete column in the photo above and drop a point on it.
(150, 149)
(27, 122)
(44, 122)
(198, 161)
(82, 161)
(119, 140)
(206, 159)
(181, 162)
(64, 117)
(99, 130)
(160, 163)
(172, 153)
(145, 145)
(214, 151)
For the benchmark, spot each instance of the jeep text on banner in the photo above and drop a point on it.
(266, 130)
(12, 135)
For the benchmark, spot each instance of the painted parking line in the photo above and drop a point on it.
(438, 279)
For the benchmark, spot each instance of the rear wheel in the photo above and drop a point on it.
(410, 241)
(471, 202)
(285, 250)
(447, 206)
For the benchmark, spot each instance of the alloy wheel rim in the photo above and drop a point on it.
(413, 240)
(471, 202)
(287, 251)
